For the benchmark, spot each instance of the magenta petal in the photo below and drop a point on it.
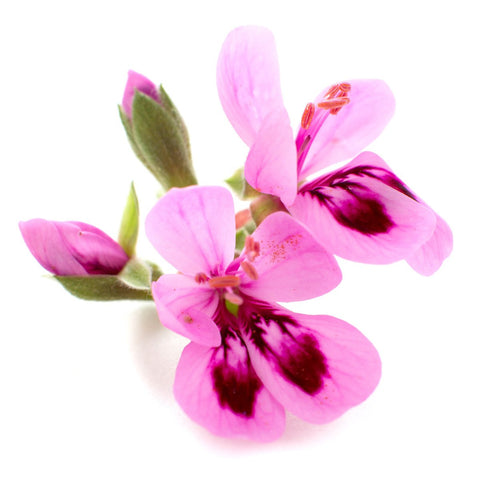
(248, 79)
(271, 165)
(73, 248)
(345, 134)
(317, 367)
(292, 265)
(364, 213)
(137, 82)
(193, 228)
(187, 308)
(218, 388)
(430, 256)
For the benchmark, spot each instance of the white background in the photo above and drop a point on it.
(87, 387)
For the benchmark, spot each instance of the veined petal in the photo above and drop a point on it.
(193, 228)
(340, 136)
(271, 165)
(218, 388)
(248, 79)
(364, 213)
(430, 256)
(292, 265)
(187, 308)
(317, 366)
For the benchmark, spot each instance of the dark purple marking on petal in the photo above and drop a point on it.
(299, 358)
(234, 379)
(352, 203)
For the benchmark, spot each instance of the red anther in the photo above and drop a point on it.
(307, 116)
(345, 87)
(224, 282)
(332, 91)
(333, 102)
(252, 248)
(201, 277)
(233, 298)
(249, 269)
(249, 243)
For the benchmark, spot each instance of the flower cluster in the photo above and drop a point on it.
(249, 358)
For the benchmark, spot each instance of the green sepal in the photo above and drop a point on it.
(103, 288)
(132, 283)
(139, 274)
(128, 234)
(129, 131)
(167, 103)
(240, 237)
(265, 205)
(161, 142)
(240, 186)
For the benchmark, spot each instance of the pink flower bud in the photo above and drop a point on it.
(137, 82)
(73, 248)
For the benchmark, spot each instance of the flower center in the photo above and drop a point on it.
(228, 284)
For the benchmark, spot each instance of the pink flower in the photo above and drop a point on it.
(73, 248)
(137, 82)
(362, 211)
(250, 358)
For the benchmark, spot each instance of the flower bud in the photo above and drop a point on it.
(156, 132)
(73, 248)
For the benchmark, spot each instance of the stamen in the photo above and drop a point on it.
(224, 282)
(233, 298)
(252, 248)
(332, 91)
(304, 144)
(249, 269)
(345, 87)
(201, 278)
(333, 103)
(307, 116)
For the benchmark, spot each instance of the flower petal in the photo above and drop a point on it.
(292, 265)
(430, 256)
(73, 248)
(271, 165)
(193, 228)
(218, 388)
(340, 136)
(317, 366)
(248, 79)
(137, 82)
(187, 308)
(364, 213)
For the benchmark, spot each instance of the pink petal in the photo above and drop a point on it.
(218, 388)
(342, 136)
(137, 82)
(430, 256)
(364, 213)
(193, 228)
(292, 265)
(317, 367)
(73, 248)
(271, 165)
(187, 308)
(248, 79)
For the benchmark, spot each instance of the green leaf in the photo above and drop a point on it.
(161, 142)
(128, 234)
(103, 288)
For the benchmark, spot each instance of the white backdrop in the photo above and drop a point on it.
(87, 387)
